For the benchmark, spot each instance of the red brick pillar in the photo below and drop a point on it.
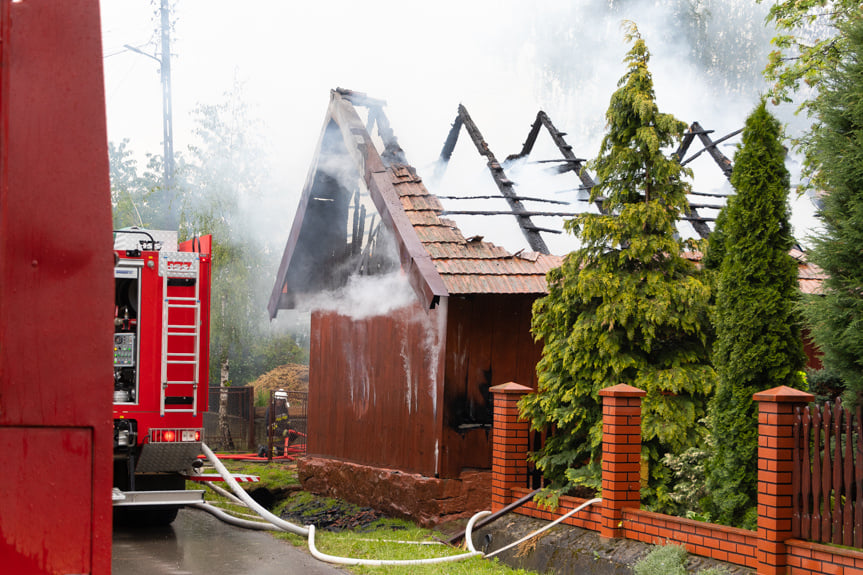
(509, 444)
(621, 454)
(775, 452)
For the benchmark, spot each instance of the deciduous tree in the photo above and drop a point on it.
(220, 173)
(810, 43)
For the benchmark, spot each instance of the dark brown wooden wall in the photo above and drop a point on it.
(375, 389)
(813, 354)
(380, 393)
(488, 343)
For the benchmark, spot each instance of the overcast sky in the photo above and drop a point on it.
(423, 58)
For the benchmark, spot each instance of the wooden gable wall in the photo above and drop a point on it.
(376, 388)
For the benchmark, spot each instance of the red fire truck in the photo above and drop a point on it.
(161, 353)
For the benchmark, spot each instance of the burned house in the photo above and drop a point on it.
(403, 392)
(411, 321)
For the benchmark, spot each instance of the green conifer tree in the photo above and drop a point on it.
(758, 344)
(626, 307)
(836, 317)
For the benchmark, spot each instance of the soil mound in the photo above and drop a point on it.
(290, 377)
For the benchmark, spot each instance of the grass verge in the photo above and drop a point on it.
(368, 536)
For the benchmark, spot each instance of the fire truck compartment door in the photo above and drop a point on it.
(46, 512)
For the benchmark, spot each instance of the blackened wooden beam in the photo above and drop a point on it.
(573, 163)
(528, 144)
(526, 198)
(700, 224)
(547, 214)
(723, 162)
(694, 193)
(447, 150)
(712, 146)
(393, 153)
(503, 183)
(548, 231)
(505, 213)
(701, 228)
(688, 137)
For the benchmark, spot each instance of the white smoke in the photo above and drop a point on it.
(364, 296)
(503, 59)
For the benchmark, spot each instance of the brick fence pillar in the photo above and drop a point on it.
(509, 444)
(775, 452)
(621, 455)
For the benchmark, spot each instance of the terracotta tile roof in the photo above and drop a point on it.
(809, 276)
(467, 265)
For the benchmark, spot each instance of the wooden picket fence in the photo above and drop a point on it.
(827, 476)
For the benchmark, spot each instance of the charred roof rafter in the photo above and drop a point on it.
(504, 184)
(392, 153)
(695, 129)
(710, 147)
(571, 162)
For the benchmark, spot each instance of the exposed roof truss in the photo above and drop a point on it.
(568, 163)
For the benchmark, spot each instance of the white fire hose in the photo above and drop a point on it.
(276, 523)
(247, 499)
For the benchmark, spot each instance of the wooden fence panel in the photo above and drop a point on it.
(858, 482)
(827, 477)
(847, 513)
(826, 474)
(796, 475)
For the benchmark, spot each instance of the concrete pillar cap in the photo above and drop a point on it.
(622, 390)
(510, 387)
(783, 393)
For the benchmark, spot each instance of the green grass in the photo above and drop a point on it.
(382, 541)
(273, 475)
(670, 560)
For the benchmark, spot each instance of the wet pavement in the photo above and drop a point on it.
(199, 544)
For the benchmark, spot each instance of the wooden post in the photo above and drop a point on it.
(509, 444)
(271, 420)
(621, 455)
(775, 463)
(224, 428)
(252, 444)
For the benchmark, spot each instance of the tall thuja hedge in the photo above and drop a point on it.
(626, 307)
(836, 317)
(758, 344)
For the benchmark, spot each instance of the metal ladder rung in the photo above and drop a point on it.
(182, 330)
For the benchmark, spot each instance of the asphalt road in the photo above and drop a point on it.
(199, 544)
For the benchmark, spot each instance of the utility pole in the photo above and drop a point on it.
(167, 117)
(167, 113)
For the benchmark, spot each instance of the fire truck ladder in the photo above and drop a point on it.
(182, 265)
